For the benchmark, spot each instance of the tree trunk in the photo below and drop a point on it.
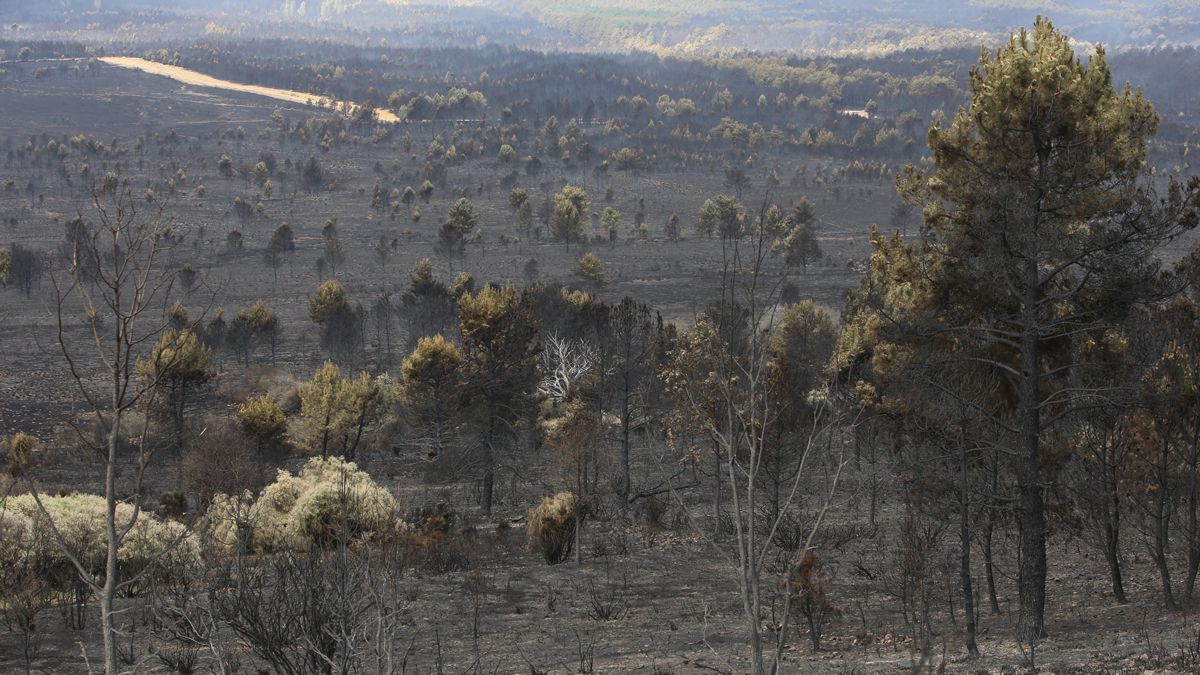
(1112, 555)
(1032, 571)
(1112, 531)
(989, 529)
(1193, 527)
(1162, 523)
(717, 492)
(626, 422)
(579, 538)
(776, 483)
(989, 568)
(325, 433)
(108, 590)
(177, 413)
(489, 468)
(750, 579)
(965, 547)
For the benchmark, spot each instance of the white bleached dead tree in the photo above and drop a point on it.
(565, 362)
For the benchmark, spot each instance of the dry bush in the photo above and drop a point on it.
(652, 511)
(551, 526)
(172, 505)
(439, 553)
(437, 519)
(25, 596)
(221, 461)
(318, 611)
(226, 524)
(809, 584)
(609, 601)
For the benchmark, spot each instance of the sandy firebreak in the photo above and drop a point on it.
(196, 79)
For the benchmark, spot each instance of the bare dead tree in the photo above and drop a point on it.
(565, 362)
(722, 377)
(123, 302)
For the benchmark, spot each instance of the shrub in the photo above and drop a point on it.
(652, 513)
(20, 452)
(809, 584)
(228, 521)
(172, 505)
(435, 521)
(551, 526)
(221, 461)
(591, 269)
(438, 552)
(27, 538)
(328, 498)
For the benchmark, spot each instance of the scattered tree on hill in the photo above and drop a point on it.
(800, 247)
(283, 243)
(432, 394)
(720, 376)
(262, 421)
(428, 304)
(333, 254)
(341, 334)
(572, 442)
(177, 364)
(264, 325)
(671, 228)
(571, 206)
(590, 269)
(458, 226)
(501, 345)
(804, 212)
(610, 220)
(336, 411)
(723, 216)
(312, 175)
(25, 268)
(233, 242)
(632, 335)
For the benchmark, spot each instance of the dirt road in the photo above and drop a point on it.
(196, 79)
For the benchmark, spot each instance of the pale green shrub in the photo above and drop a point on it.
(228, 520)
(312, 507)
(15, 533)
(26, 533)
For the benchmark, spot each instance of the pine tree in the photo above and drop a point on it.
(432, 392)
(178, 363)
(571, 206)
(1039, 224)
(501, 344)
